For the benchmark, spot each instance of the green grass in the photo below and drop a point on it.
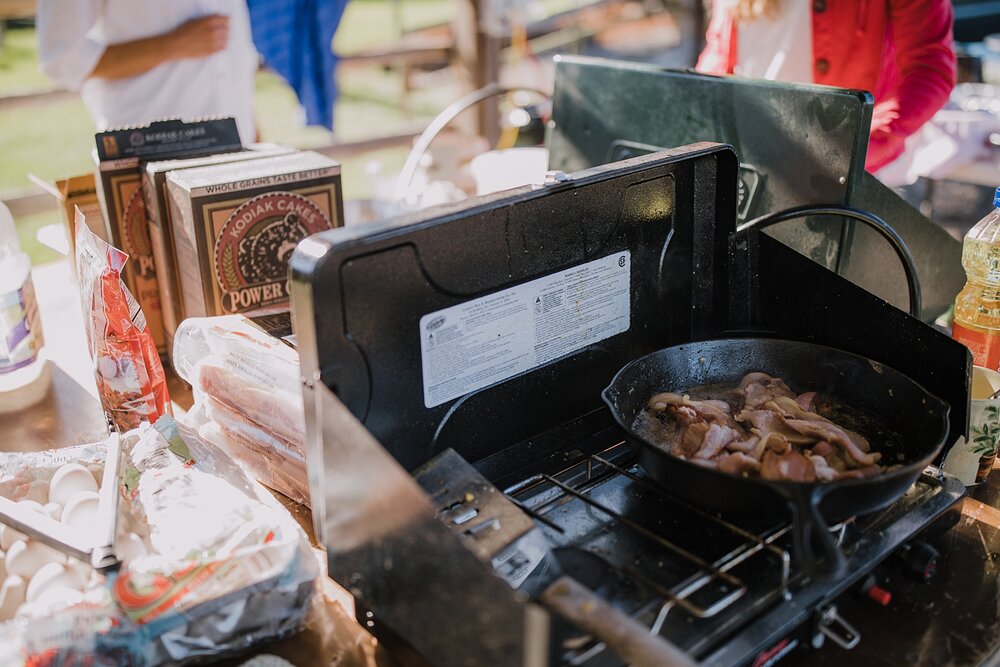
(19, 63)
(52, 141)
(27, 229)
(368, 23)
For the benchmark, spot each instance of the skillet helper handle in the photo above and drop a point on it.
(624, 635)
(810, 531)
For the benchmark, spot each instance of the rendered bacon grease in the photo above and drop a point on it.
(759, 429)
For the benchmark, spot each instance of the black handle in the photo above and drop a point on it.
(819, 554)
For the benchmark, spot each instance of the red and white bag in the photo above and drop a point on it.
(129, 374)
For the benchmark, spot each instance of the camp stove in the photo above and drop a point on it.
(460, 457)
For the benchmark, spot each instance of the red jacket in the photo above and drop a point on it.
(899, 50)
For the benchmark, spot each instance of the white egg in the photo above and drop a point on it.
(38, 491)
(57, 597)
(25, 558)
(130, 547)
(8, 536)
(69, 480)
(53, 575)
(54, 510)
(97, 470)
(83, 571)
(32, 505)
(11, 596)
(81, 510)
(29, 610)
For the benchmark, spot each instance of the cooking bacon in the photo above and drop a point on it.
(688, 411)
(759, 388)
(830, 432)
(715, 440)
(791, 466)
(739, 463)
(765, 422)
(764, 429)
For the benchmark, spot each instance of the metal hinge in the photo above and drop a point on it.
(833, 625)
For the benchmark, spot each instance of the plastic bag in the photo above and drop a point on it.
(229, 566)
(130, 378)
(248, 397)
(251, 371)
(272, 461)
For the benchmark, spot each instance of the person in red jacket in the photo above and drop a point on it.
(899, 50)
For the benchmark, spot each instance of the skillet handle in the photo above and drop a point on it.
(821, 556)
(623, 634)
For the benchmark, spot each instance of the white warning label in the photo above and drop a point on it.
(488, 340)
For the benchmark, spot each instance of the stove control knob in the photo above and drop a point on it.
(919, 560)
(870, 589)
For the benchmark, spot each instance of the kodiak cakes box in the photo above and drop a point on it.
(235, 227)
(119, 155)
(154, 190)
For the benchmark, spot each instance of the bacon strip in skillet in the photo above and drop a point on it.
(768, 431)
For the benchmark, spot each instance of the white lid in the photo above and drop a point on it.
(9, 244)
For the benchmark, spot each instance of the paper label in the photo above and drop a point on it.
(20, 328)
(493, 338)
(985, 346)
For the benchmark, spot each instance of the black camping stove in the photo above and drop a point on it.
(725, 589)
(454, 363)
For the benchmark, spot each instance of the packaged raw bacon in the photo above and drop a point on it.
(130, 378)
(247, 394)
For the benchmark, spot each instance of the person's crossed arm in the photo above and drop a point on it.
(69, 55)
(925, 58)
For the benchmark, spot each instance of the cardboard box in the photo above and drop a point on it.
(76, 191)
(154, 190)
(235, 226)
(118, 156)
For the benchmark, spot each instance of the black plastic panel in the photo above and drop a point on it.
(778, 292)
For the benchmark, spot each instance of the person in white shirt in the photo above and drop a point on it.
(135, 61)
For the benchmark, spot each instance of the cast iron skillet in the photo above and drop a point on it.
(897, 403)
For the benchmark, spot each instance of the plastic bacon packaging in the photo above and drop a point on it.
(129, 374)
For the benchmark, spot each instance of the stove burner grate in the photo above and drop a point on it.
(584, 504)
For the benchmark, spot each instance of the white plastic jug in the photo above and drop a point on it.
(509, 168)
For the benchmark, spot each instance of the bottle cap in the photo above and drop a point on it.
(996, 198)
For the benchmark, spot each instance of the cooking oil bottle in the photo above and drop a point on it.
(977, 306)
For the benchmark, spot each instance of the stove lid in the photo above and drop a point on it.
(798, 143)
(436, 329)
